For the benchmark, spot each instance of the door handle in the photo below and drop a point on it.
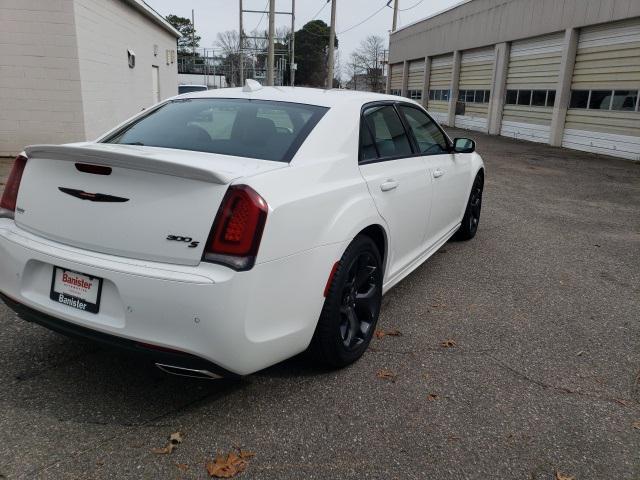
(438, 173)
(388, 185)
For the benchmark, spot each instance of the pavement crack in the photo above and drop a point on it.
(565, 390)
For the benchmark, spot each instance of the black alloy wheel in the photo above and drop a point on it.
(471, 219)
(351, 308)
(359, 300)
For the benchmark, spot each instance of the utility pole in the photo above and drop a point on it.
(193, 36)
(292, 63)
(272, 33)
(395, 15)
(240, 48)
(332, 41)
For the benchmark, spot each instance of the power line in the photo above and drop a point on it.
(320, 11)
(412, 6)
(264, 11)
(363, 21)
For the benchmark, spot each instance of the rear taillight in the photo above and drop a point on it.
(237, 230)
(10, 195)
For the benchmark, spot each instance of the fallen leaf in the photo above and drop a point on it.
(391, 333)
(386, 374)
(183, 467)
(439, 305)
(164, 450)
(100, 462)
(174, 440)
(562, 476)
(246, 455)
(579, 354)
(227, 466)
(636, 424)
(624, 403)
(448, 343)
(432, 396)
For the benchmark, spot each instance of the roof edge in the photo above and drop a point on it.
(146, 10)
(440, 12)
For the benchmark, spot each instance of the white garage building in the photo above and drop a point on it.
(71, 69)
(563, 72)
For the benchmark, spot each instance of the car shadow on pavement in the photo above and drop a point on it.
(82, 383)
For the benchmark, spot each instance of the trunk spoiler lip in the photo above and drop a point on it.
(127, 157)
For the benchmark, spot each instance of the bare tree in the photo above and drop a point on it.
(229, 42)
(366, 63)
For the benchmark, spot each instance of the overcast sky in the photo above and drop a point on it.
(213, 16)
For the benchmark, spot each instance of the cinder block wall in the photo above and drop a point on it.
(40, 99)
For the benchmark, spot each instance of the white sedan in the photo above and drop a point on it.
(223, 231)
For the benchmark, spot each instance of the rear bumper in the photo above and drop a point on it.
(178, 359)
(239, 322)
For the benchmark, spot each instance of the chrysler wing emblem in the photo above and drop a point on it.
(92, 197)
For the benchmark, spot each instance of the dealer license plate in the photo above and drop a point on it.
(76, 290)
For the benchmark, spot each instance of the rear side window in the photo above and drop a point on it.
(388, 132)
(260, 129)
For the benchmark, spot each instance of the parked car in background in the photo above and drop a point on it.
(223, 231)
(191, 88)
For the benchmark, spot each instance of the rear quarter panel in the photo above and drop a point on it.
(321, 198)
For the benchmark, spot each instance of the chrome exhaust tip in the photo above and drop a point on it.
(188, 372)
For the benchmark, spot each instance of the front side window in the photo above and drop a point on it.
(260, 129)
(430, 139)
(388, 132)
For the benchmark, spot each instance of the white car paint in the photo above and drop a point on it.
(158, 293)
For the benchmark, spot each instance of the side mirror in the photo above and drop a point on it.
(464, 145)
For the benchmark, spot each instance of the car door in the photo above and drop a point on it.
(448, 172)
(398, 181)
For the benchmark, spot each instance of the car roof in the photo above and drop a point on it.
(309, 96)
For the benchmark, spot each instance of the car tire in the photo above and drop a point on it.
(351, 308)
(471, 218)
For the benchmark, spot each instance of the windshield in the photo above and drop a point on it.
(191, 88)
(260, 129)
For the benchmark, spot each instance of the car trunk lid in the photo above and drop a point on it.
(154, 203)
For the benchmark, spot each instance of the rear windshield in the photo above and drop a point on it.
(245, 128)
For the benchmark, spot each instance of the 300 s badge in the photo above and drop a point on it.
(178, 238)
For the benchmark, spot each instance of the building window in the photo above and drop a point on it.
(600, 99)
(442, 95)
(619, 100)
(474, 96)
(625, 100)
(551, 98)
(579, 99)
(415, 94)
(539, 98)
(534, 98)
(396, 91)
(524, 97)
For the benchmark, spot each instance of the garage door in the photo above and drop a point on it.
(395, 84)
(603, 112)
(474, 88)
(415, 82)
(439, 87)
(532, 78)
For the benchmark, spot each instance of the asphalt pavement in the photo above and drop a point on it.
(518, 358)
